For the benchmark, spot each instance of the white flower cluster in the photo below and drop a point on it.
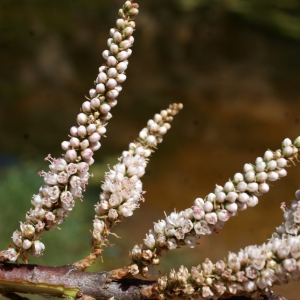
(210, 214)
(256, 268)
(122, 189)
(68, 176)
(291, 226)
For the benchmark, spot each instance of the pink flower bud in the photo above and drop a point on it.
(290, 264)
(261, 177)
(151, 139)
(211, 218)
(133, 12)
(112, 72)
(149, 241)
(120, 24)
(231, 196)
(260, 166)
(81, 131)
(228, 187)
(73, 131)
(252, 201)
(231, 207)
(287, 142)
(101, 130)
(49, 216)
(95, 103)
(86, 106)
(112, 94)
(111, 83)
(117, 37)
(271, 165)
(268, 155)
(124, 45)
(252, 187)
(162, 130)
(220, 197)
(114, 49)
(87, 154)
(248, 167)
(111, 61)
(65, 145)
(100, 88)
(128, 31)
(106, 117)
(81, 118)
(123, 55)
(199, 202)
(132, 170)
(233, 262)
(92, 93)
(26, 244)
(263, 188)
(91, 128)
(281, 162)
(99, 225)
(281, 173)
(105, 108)
(121, 67)
(242, 206)
(105, 54)
(102, 77)
(94, 137)
(208, 207)
(273, 176)
(223, 215)
(249, 286)
(74, 142)
(38, 248)
(71, 155)
(112, 102)
(129, 52)
(287, 151)
(198, 213)
(112, 31)
(250, 176)
(242, 186)
(84, 144)
(113, 214)
(243, 197)
(121, 78)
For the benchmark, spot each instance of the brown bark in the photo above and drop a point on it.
(65, 281)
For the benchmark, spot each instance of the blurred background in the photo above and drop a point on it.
(234, 64)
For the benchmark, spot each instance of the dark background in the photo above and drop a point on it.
(233, 64)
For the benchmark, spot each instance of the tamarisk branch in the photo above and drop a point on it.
(67, 282)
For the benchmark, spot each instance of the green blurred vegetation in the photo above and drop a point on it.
(280, 15)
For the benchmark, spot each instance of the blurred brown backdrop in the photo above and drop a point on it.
(235, 66)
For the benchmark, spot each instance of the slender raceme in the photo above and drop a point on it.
(68, 175)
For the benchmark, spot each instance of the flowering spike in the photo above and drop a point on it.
(255, 268)
(68, 175)
(210, 214)
(122, 188)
